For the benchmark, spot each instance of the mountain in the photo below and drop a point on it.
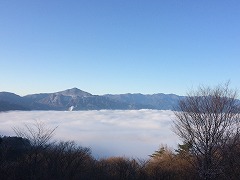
(74, 92)
(10, 101)
(57, 101)
(155, 101)
(6, 106)
(11, 97)
(76, 99)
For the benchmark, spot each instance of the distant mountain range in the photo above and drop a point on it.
(76, 99)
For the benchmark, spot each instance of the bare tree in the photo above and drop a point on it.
(38, 134)
(208, 119)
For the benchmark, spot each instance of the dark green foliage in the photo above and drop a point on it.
(158, 153)
(184, 149)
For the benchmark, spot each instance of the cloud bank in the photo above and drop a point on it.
(130, 133)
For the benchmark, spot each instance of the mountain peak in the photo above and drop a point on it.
(77, 99)
(74, 92)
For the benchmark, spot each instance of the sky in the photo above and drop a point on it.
(130, 133)
(118, 46)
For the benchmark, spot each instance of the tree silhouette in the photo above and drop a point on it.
(209, 120)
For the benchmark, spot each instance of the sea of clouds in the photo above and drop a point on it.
(129, 133)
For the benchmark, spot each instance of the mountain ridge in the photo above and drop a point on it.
(76, 99)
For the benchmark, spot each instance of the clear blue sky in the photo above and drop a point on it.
(118, 46)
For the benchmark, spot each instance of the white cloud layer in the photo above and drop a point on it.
(130, 133)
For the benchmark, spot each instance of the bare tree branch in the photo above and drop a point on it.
(38, 133)
(209, 120)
